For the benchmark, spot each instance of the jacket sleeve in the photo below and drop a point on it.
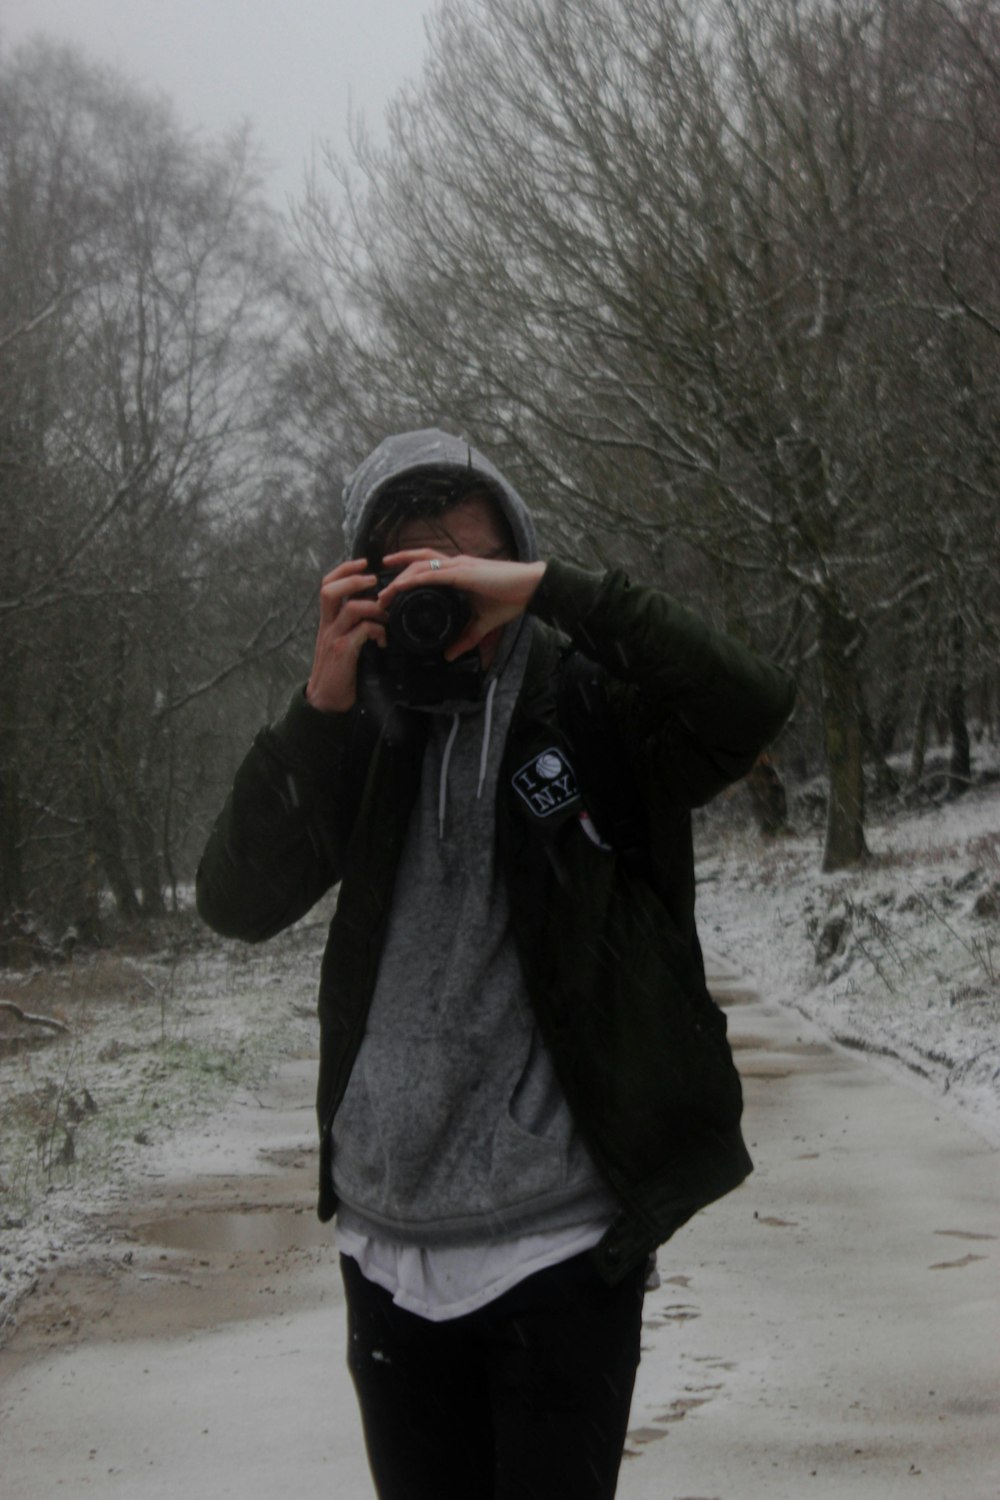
(687, 696)
(278, 843)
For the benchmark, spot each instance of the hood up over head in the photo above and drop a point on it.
(429, 453)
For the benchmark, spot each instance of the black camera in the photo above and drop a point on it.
(422, 623)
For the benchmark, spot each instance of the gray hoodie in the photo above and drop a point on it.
(453, 1128)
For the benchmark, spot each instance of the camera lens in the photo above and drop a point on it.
(428, 619)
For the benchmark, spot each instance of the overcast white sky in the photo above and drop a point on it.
(293, 67)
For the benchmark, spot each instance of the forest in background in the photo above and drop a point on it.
(714, 281)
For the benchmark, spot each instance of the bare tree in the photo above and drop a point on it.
(671, 261)
(144, 305)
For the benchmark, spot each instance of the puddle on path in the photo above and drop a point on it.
(246, 1229)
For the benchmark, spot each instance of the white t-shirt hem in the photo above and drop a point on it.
(450, 1281)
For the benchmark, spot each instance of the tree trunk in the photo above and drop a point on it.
(886, 780)
(767, 798)
(921, 727)
(893, 697)
(12, 882)
(960, 760)
(148, 856)
(845, 818)
(108, 842)
(87, 917)
(11, 860)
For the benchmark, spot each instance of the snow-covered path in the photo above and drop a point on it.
(834, 1326)
(831, 1330)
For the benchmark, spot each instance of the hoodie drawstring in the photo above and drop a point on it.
(487, 726)
(484, 753)
(443, 784)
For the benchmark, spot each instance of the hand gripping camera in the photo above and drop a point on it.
(410, 669)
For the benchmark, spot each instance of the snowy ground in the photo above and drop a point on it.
(159, 1041)
(900, 960)
(830, 1329)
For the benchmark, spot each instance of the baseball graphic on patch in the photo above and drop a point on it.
(546, 784)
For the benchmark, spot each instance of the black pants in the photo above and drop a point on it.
(525, 1399)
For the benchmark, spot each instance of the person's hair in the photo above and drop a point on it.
(427, 495)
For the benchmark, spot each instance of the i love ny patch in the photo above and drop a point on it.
(547, 783)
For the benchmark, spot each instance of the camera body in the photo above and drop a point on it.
(422, 623)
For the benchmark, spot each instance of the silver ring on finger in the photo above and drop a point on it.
(435, 564)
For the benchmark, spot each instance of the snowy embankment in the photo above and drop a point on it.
(899, 959)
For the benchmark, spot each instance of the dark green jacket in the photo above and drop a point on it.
(610, 956)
